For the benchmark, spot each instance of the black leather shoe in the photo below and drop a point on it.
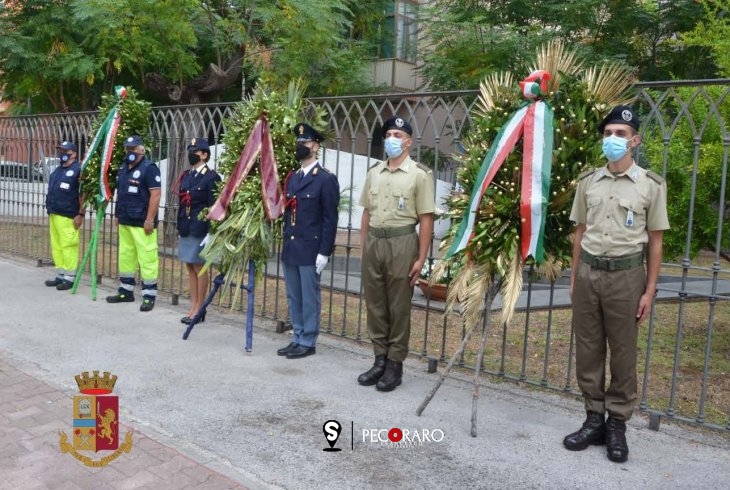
(52, 283)
(372, 375)
(285, 350)
(64, 285)
(617, 449)
(120, 298)
(593, 432)
(147, 304)
(392, 377)
(300, 351)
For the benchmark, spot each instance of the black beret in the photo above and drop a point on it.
(199, 144)
(621, 114)
(397, 123)
(304, 131)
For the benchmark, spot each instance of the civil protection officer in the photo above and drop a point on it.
(312, 196)
(620, 210)
(398, 194)
(138, 200)
(196, 189)
(65, 215)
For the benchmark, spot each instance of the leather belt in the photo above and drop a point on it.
(612, 263)
(392, 232)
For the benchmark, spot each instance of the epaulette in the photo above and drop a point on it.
(655, 177)
(586, 173)
(423, 167)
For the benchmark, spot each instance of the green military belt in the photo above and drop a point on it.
(612, 263)
(392, 232)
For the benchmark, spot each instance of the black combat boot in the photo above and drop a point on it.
(372, 375)
(392, 377)
(592, 432)
(616, 447)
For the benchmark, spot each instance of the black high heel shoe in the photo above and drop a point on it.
(187, 320)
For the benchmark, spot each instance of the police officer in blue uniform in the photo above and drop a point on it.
(196, 189)
(312, 196)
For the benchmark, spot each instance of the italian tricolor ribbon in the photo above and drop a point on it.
(107, 132)
(534, 124)
(259, 143)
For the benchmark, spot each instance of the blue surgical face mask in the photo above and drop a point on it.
(393, 147)
(615, 148)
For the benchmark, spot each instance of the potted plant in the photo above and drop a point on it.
(434, 286)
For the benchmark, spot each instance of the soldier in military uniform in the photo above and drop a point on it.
(312, 196)
(65, 216)
(138, 200)
(620, 211)
(196, 189)
(397, 195)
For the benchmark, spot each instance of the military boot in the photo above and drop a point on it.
(372, 375)
(392, 377)
(593, 432)
(616, 447)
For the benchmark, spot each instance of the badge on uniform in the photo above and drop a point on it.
(630, 218)
(132, 190)
(401, 202)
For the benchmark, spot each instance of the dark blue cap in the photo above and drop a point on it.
(134, 140)
(199, 144)
(68, 145)
(621, 114)
(397, 123)
(305, 132)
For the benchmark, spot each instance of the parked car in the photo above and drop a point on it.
(46, 166)
(22, 171)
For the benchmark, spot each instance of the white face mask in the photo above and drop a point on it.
(393, 147)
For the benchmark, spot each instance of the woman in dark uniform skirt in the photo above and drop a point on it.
(196, 187)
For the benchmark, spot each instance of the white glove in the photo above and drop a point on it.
(321, 262)
(205, 240)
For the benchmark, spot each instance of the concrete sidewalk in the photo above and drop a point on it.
(209, 414)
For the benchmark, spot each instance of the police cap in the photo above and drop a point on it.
(199, 144)
(305, 132)
(621, 114)
(397, 123)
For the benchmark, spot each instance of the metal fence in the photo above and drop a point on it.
(684, 348)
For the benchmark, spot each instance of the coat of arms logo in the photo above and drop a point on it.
(95, 421)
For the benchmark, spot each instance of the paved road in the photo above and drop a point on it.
(206, 414)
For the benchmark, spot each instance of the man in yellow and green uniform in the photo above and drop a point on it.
(65, 216)
(138, 200)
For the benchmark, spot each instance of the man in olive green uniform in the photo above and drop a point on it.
(398, 194)
(620, 210)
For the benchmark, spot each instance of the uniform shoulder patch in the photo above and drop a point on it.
(655, 177)
(423, 167)
(586, 173)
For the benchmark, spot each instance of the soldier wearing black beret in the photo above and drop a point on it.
(620, 212)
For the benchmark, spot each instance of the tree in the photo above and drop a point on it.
(712, 33)
(467, 40)
(64, 55)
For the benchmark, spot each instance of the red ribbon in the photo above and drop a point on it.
(259, 143)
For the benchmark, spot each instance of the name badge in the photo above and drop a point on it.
(65, 185)
(132, 189)
(630, 218)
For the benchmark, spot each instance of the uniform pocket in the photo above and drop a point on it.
(593, 207)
